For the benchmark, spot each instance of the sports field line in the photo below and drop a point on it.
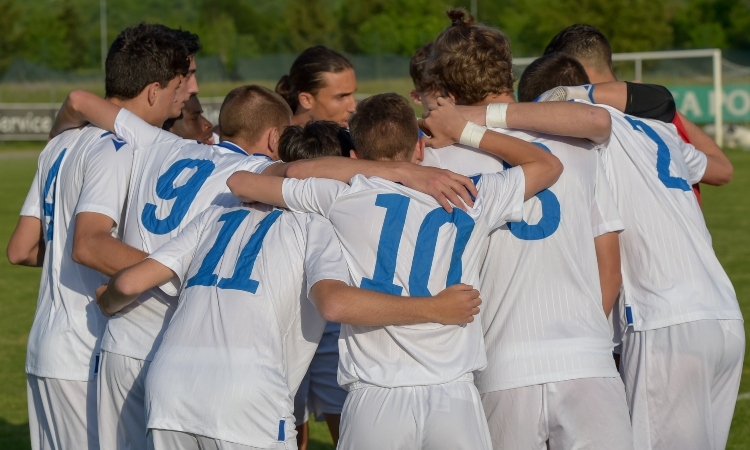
(19, 154)
(743, 396)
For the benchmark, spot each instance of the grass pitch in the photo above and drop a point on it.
(727, 211)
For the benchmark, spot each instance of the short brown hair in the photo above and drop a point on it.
(586, 44)
(418, 69)
(550, 71)
(471, 61)
(250, 110)
(384, 127)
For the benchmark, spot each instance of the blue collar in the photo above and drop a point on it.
(237, 149)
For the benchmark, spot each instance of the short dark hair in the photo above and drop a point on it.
(306, 73)
(142, 55)
(471, 61)
(190, 40)
(250, 110)
(315, 139)
(586, 44)
(384, 127)
(550, 71)
(418, 69)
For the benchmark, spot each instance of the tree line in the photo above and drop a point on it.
(65, 34)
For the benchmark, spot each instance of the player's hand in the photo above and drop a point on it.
(565, 93)
(443, 123)
(101, 300)
(456, 305)
(446, 187)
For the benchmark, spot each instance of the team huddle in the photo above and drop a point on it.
(506, 275)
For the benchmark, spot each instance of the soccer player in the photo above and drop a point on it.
(320, 86)
(191, 124)
(410, 387)
(425, 90)
(549, 281)
(69, 225)
(684, 339)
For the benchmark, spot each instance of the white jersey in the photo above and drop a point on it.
(173, 180)
(84, 170)
(244, 332)
(542, 313)
(401, 242)
(670, 272)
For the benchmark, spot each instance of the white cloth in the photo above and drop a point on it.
(588, 413)
(244, 331)
(670, 272)
(438, 416)
(79, 171)
(120, 404)
(173, 180)
(681, 383)
(542, 313)
(62, 413)
(176, 440)
(399, 241)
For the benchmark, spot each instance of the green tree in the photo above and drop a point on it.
(309, 22)
(10, 36)
(713, 23)
(72, 26)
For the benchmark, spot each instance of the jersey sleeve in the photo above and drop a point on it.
(605, 218)
(696, 161)
(138, 133)
(502, 196)
(106, 179)
(324, 259)
(32, 205)
(256, 164)
(313, 195)
(178, 252)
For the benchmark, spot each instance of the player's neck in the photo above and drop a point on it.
(301, 118)
(496, 98)
(140, 108)
(598, 77)
(251, 149)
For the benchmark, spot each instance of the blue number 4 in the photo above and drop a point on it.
(240, 279)
(50, 184)
(663, 157)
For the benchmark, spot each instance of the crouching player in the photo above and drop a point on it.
(410, 386)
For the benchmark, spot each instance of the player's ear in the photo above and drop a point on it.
(415, 97)
(306, 100)
(273, 142)
(353, 154)
(418, 154)
(152, 92)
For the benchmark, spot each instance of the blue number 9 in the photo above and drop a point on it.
(183, 195)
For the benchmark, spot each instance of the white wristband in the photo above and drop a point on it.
(496, 115)
(472, 135)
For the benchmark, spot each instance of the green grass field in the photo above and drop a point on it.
(727, 214)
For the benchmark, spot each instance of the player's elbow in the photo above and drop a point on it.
(82, 253)
(239, 183)
(721, 174)
(126, 285)
(601, 124)
(16, 255)
(327, 298)
(554, 169)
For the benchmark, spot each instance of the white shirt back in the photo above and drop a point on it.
(173, 180)
(244, 332)
(401, 242)
(79, 171)
(543, 319)
(670, 272)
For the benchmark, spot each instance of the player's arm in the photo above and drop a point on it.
(338, 302)
(253, 187)
(719, 169)
(26, 246)
(556, 118)
(94, 246)
(541, 169)
(607, 248)
(126, 285)
(80, 108)
(443, 185)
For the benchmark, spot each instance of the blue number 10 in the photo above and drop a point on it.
(396, 206)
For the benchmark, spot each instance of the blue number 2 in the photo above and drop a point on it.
(663, 157)
(183, 195)
(240, 279)
(50, 184)
(396, 206)
(550, 220)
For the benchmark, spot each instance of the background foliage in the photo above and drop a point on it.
(64, 34)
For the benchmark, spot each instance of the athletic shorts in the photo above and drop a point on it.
(586, 413)
(62, 413)
(681, 383)
(178, 440)
(442, 416)
(121, 404)
(319, 391)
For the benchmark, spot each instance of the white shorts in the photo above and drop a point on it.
(587, 413)
(319, 391)
(177, 440)
(442, 416)
(62, 413)
(682, 382)
(121, 406)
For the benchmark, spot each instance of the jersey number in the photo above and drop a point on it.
(240, 279)
(396, 206)
(183, 195)
(50, 184)
(663, 157)
(550, 220)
